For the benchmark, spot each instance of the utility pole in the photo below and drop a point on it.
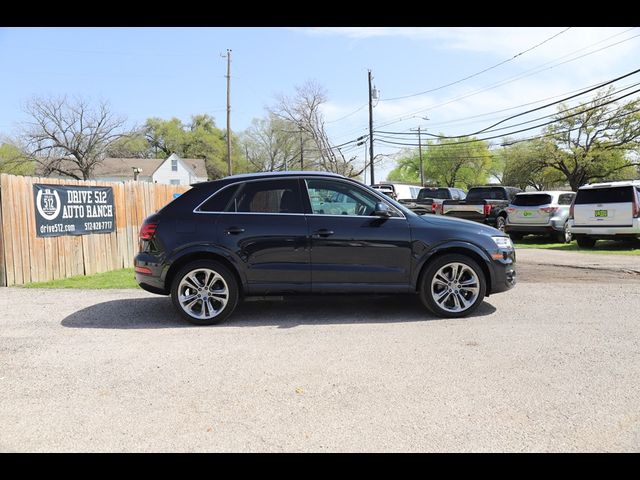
(301, 151)
(228, 55)
(419, 130)
(420, 154)
(371, 129)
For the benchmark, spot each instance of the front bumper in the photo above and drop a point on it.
(504, 272)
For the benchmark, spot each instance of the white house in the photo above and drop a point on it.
(173, 170)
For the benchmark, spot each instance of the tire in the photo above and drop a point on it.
(500, 223)
(565, 235)
(221, 296)
(585, 242)
(436, 281)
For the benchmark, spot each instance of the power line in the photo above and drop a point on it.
(477, 73)
(348, 115)
(525, 74)
(450, 145)
(489, 129)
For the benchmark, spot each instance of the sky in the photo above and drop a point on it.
(179, 72)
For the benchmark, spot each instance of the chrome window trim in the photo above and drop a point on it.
(374, 193)
(196, 210)
(304, 178)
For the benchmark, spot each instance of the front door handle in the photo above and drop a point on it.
(323, 232)
(234, 230)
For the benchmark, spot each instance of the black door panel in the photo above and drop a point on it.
(273, 248)
(360, 250)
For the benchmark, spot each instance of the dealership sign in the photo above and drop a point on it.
(73, 210)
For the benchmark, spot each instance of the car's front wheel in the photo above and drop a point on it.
(204, 292)
(565, 235)
(453, 285)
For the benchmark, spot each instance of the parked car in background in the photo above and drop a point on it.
(278, 233)
(430, 199)
(606, 211)
(401, 191)
(387, 190)
(540, 213)
(486, 204)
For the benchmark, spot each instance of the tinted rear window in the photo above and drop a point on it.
(439, 193)
(486, 193)
(219, 202)
(532, 200)
(605, 195)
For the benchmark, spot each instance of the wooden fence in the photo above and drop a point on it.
(25, 257)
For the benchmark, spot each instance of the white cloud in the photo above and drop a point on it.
(500, 41)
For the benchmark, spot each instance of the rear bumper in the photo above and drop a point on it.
(606, 231)
(151, 282)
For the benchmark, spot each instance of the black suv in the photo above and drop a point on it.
(313, 232)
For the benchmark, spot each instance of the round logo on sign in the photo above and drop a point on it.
(48, 204)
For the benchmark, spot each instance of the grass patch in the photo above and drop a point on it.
(626, 247)
(116, 279)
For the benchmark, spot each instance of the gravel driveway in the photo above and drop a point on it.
(548, 366)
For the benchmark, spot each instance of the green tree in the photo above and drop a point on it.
(199, 138)
(523, 165)
(595, 141)
(12, 161)
(460, 162)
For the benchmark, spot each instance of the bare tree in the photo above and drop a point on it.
(303, 111)
(271, 144)
(69, 137)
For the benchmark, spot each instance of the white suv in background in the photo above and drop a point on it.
(606, 211)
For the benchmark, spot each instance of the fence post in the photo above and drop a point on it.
(3, 275)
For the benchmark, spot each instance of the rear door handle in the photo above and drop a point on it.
(323, 232)
(234, 230)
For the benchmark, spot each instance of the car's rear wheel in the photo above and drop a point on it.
(453, 285)
(586, 242)
(501, 222)
(204, 292)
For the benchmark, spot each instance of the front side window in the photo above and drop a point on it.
(268, 196)
(566, 198)
(337, 198)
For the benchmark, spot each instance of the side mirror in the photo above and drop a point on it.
(382, 210)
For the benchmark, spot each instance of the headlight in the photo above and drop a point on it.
(503, 242)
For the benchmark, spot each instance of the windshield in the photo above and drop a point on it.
(439, 193)
(487, 193)
(532, 200)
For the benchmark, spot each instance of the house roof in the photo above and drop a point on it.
(123, 167)
(198, 166)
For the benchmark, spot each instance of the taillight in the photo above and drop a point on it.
(571, 209)
(549, 209)
(148, 230)
(487, 210)
(434, 207)
(636, 206)
(511, 210)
